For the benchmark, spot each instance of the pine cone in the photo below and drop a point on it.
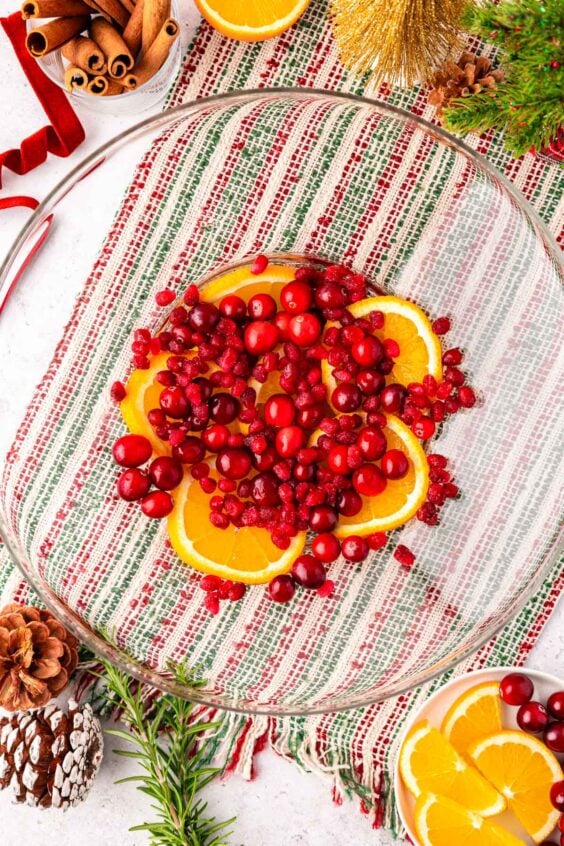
(37, 657)
(50, 758)
(469, 75)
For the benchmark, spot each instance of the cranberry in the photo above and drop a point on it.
(368, 480)
(265, 489)
(233, 462)
(117, 391)
(308, 571)
(262, 307)
(296, 297)
(555, 705)
(466, 397)
(355, 548)
(282, 588)
(157, 504)
(330, 295)
(266, 460)
(261, 336)
(557, 795)
(337, 459)
(215, 437)
(367, 352)
(133, 484)
(166, 473)
(441, 325)
(346, 397)
(370, 382)
(289, 440)
(233, 307)
(175, 403)
(279, 410)
(224, 408)
(203, 317)
(372, 442)
(349, 503)
(132, 450)
(322, 518)
(304, 329)
(282, 323)
(326, 547)
(532, 717)
(394, 464)
(259, 265)
(190, 451)
(404, 555)
(164, 298)
(516, 689)
(309, 418)
(393, 397)
(423, 428)
(554, 737)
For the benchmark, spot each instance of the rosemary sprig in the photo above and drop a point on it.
(173, 765)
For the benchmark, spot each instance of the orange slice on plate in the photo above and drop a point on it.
(474, 715)
(441, 822)
(523, 770)
(254, 21)
(243, 555)
(143, 392)
(246, 284)
(430, 764)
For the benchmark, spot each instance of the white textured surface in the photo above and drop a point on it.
(283, 806)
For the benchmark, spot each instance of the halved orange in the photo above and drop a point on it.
(401, 498)
(430, 764)
(474, 715)
(251, 21)
(143, 392)
(523, 770)
(246, 284)
(441, 822)
(244, 555)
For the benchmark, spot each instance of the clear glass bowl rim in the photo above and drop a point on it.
(86, 635)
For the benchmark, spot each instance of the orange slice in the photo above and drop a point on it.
(143, 392)
(401, 498)
(243, 555)
(474, 715)
(523, 770)
(441, 822)
(253, 21)
(429, 764)
(246, 284)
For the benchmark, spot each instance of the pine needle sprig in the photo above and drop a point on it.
(168, 746)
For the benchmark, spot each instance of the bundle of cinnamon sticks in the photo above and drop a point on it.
(111, 46)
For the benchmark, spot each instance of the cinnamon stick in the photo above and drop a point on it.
(111, 10)
(155, 57)
(114, 48)
(85, 54)
(44, 39)
(132, 32)
(53, 9)
(155, 14)
(128, 5)
(75, 78)
(113, 89)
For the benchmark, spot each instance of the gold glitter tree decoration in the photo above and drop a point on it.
(399, 41)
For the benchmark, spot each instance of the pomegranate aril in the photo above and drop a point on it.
(210, 583)
(211, 602)
(438, 411)
(436, 460)
(200, 470)
(326, 588)
(452, 405)
(454, 376)
(377, 540)
(166, 378)
(404, 555)
(466, 397)
(118, 392)
(220, 521)
(165, 297)
(391, 348)
(132, 450)
(157, 504)
(441, 325)
(141, 362)
(516, 689)
(452, 357)
(436, 493)
(430, 385)
(259, 265)
(427, 513)
(444, 390)
(451, 491)
(207, 485)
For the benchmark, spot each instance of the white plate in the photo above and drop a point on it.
(434, 710)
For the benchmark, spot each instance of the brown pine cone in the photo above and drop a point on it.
(37, 657)
(50, 758)
(469, 75)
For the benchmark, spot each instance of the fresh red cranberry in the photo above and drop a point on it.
(355, 548)
(282, 588)
(393, 397)
(117, 391)
(404, 555)
(370, 382)
(377, 540)
(304, 473)
(372, 442)
(330, 296)
(516, 689)
(346, 397)
(326, 547)
(368, 480)
(308, 572)
(279, 410)
(266, 460)
(296, 297)
(233, 307)
(133, 484)
(424, 428)
(190, 451)
(233, 462)
(289, 440)
(203, 317)
(175, 403)
(282, 323)
(261, 337)
(309, 418)
(164, 298)
(166, 473)
(265, 489)
(441, 325)
(304, 329)
(349, 503)
(157, 504)
(554, 737)
(368, 351)
(224, 408)
(259, 265)
(532, 717)
(322, 518)
(132, 450)
(394, 464)
(466, 397)
(178, 316)
(557, 795)
(386, 366)
(555, 705)
(215, 437)
(337, 459)
(262, 307)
